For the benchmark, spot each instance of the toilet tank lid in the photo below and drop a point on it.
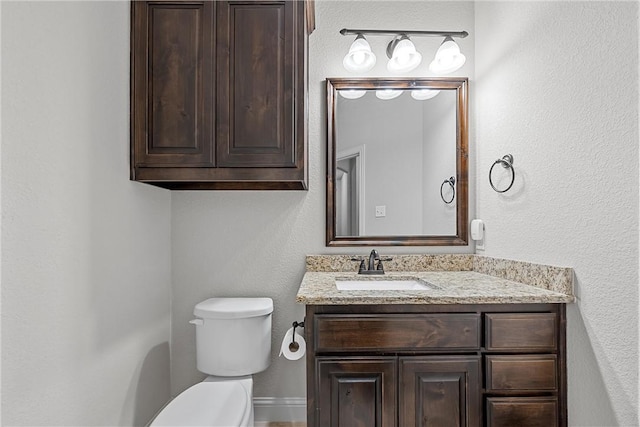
(233, 308)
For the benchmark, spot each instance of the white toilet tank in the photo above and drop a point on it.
(233, 335)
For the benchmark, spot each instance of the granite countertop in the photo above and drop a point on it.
(467, 280)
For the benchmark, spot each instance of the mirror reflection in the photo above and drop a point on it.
(394, 171)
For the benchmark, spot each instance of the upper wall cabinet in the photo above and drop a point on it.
(218, 94)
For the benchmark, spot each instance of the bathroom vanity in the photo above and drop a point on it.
(475, 349)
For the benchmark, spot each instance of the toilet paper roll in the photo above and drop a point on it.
(288, 351)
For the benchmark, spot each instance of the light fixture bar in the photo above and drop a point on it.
(350, 31)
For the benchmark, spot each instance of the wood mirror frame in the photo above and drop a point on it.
(460, 85)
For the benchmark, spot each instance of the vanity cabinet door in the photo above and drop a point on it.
(440, 391)
(356, 392)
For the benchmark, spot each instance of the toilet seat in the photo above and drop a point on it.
(215, 404)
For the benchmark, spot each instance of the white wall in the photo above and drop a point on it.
(557, 87)
(254, 243)
(86, 252)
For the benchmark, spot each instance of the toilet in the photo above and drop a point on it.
(233, 342)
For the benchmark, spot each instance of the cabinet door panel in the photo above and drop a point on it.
(256, 53)
(440, 391)
(356, 392)
(172, 99)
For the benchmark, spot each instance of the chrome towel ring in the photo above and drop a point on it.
(452, 182)
(506, 162)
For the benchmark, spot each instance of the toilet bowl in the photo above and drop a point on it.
(233, 341)
(215, 402)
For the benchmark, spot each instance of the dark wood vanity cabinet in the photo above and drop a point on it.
(218, 94)
(499, 365)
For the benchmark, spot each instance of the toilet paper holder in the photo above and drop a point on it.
(294, 346)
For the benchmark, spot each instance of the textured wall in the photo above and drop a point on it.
(557, 87)
(254, 243)
(86, 253)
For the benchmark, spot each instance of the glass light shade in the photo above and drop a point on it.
(352, 93)
(386, 94)
(424, 94)
(360, 58)
(405, 57)
(448, 58)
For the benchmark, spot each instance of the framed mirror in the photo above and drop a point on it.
(397, 161)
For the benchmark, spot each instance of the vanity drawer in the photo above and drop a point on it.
(396, 332)
(530, 372)
(522, 412)
(521, 331)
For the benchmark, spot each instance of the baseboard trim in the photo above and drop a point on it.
(283, 409)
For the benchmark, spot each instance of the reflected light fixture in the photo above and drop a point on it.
(352, 93)
(448, 58)
(402, 53)
(360, 58)
(424, 94)
(387, 94)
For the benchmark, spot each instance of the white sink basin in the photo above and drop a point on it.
(387, 284)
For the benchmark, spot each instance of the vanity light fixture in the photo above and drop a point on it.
(403, 56)
(402, 53)
(448, 58)
(359, 58)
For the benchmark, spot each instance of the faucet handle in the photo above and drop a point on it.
(362, 266)
(380, 267)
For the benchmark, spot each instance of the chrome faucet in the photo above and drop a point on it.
(371, 267)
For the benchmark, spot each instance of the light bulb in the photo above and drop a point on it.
(358, 57)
